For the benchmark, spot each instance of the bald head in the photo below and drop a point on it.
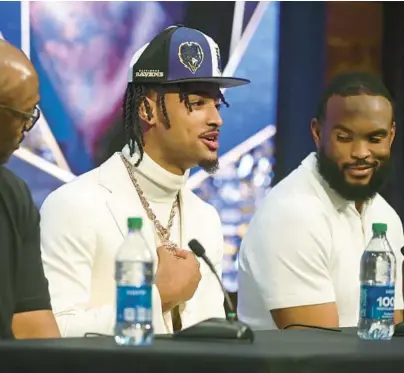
(18, 78)
(19, 94)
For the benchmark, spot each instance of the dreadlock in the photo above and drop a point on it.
(223, 100)
(135, 95)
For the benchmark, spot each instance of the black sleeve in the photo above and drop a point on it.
(31, 291)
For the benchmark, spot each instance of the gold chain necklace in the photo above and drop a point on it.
(163, 233)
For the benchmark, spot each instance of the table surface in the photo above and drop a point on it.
(272, 351)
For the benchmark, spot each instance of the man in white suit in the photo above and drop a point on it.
(172, 122)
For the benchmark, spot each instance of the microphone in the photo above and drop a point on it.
(199, 251)
(216, 328)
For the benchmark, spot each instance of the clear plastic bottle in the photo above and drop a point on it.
(134, 279)
(377, 279)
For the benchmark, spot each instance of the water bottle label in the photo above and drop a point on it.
(377, 302)
(134, 304)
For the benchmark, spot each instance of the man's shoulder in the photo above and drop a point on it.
(83, 190)
(13, 188)
(205, 223)
(383, 209)
(10, 182)
(203, 210)
(381, 204)
(295, 195)
(302, 209)
(201, 207)
(285, 222)
(17, 201)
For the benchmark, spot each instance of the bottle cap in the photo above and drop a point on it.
(379, 227)
(135, 223)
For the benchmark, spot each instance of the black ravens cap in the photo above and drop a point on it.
(180, 55)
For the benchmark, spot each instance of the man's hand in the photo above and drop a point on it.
(177, 277)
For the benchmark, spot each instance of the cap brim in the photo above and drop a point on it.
(223, 82)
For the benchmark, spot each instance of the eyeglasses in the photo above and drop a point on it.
(29, 118)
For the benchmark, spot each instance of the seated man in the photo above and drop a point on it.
(25, 309)
(172, 122)
(300, 259)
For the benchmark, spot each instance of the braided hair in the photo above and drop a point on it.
(135, 95)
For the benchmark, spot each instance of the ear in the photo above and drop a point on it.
(392, 133)
(147, 111)
(316, 132)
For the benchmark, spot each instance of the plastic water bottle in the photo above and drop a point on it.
(134, 278)
(377, 278)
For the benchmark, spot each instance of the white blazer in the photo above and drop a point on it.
(82, 225)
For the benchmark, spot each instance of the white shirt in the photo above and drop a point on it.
(303, 247)
(83, 224)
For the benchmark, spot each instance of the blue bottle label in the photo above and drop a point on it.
(377, 302)
(134, 304)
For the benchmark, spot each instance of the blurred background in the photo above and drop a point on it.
(288, 50)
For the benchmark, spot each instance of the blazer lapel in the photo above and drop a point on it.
(124, 201)
(191, 225)
(182, 220)
(191, 229)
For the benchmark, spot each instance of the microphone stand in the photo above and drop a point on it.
(216, 328)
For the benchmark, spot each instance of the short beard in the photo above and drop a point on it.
(335, 178)
(210, 166)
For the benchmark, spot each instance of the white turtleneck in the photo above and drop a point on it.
(160, 187)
